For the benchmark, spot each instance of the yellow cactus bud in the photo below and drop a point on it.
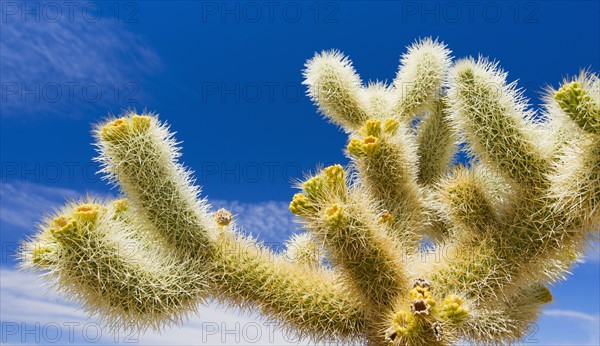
(372, 128)
(390, 126)
(313, 187)
(63, 225)
(115, 130)
(370, 143)
(141, 123)
(300, 204)
(579, 105)
(422, 293)
(86, 212)
(402, 323)
(356, 147)
(569, 95)
(335, 215)
(121, 205)
(223, 217)
(334, 177)
(453, 309)
(419, 293)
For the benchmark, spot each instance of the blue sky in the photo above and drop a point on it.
(227, 77)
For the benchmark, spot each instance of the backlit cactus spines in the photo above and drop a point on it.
(435, 144)
(349, 231)
(303, 249)
(420, 77)
(159, 187)
(495, 123)
(106, 263)
(385, 156)
(400, 248)
(579, 104)
(334, 85)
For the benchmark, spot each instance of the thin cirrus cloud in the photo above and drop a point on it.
(24, 203)
(66, 66)
(586, 329)
(32, 314)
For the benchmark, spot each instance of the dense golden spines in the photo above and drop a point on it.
(349, 231)
(304, 250)
(117, 275)
(495, 123)
(575, 180)
(466, 201)
(420, 77)
(506, 318)
(404, 251)
(435, 144)
(335, 87)
(159, 186)
(308, 302)
(575, 185)
(579, 105)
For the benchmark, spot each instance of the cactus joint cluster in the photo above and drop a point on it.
(496, 230)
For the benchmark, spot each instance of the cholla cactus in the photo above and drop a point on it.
(400, 248)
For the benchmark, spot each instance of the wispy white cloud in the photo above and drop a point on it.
(23, 203)
(30, 314)
(586, 321)
(572, 314)
(51, 63)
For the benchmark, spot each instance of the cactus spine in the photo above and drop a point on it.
(510, 222)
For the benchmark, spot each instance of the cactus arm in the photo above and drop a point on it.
(420, 77)
(435, 144)
(141, 155)
(143, 160)
(303, 250)
(379, 99)
(465, 199)
(97, 257)
(347, 226)
(580, 101)
(495, 123)
(575, 187)
(550, 232)
(575, 182)
(335, 87)
(309, 302)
